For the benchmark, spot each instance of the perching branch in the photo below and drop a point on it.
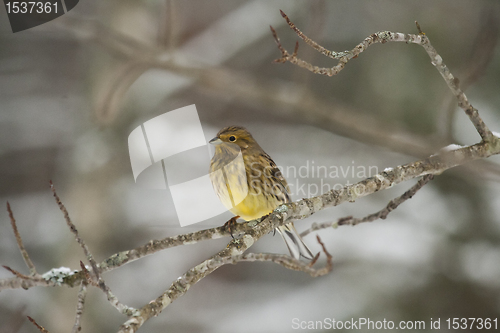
(304, 208)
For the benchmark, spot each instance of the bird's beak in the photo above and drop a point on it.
(215, 141)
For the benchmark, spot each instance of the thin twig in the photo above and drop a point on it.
(316, 19)
(129, 311)
(20, 244)
(420, 32)
(381, 214)
(180, 286)
(16, 273)
(290, 262)
(122, 308)
(40, 328)
(474, 67)
(82, 293)
(309, 41)
(88, 277)
(392, 205)
(73, 229)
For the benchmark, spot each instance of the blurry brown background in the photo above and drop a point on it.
(73, 89)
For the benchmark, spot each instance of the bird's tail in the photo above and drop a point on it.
(294, 242)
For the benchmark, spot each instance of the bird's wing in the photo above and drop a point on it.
(274, 173)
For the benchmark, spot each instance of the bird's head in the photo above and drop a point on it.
(235, 135)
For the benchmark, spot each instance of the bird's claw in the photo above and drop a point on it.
(229, 225)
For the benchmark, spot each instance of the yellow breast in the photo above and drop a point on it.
(241, 194)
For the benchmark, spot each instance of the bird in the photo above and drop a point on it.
(253, 188)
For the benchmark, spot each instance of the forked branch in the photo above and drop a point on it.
(384, 37)
(381, 214)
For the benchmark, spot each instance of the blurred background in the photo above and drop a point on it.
(72, 90)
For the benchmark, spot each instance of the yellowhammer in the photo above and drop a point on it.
(255, 186)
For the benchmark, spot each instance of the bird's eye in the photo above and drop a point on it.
(232, 138)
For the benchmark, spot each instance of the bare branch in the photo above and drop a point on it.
(82, 294)
(474, 68)
(420, 32)
(16, 273)
(383, 37)
(191, 277)
(309, 41)
(342, 119)
(40, 328)
(392, 205)
(129, 311)
(154, 246)
(291, 263)
(382, 214)
(301, 209)
(232, 254)
(88, 279)
(454, 85)
(122, 308)
(19, 282)
(124, 257)
(20, 244)
(435, 164)
(73, 229)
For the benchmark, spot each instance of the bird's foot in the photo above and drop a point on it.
(229, 225)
